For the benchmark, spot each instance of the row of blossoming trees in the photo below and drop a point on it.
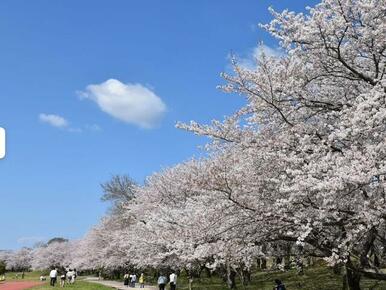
(58, 253)
(300, 167)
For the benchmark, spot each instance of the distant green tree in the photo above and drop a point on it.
(57, 240)
(2, 267)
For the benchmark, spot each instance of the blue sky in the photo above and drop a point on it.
(64, 137)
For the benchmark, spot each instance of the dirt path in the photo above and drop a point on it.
(116, 285)
(18, 285)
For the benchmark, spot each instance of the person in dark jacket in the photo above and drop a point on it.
(126, 280)
(279, 285)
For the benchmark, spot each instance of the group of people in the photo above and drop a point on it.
(68, 276)
(163, 281)
(130, 280)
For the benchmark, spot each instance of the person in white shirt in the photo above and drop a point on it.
(133, 280)
(53, 275)
(173, 281)
(162, 280)
(71, 276)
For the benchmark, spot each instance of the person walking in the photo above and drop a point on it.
(70, 276)
(162, 280)
(53, 276)
(126, 280)
(63, 279)
(279, 285)
(141, 281)
(173, 281)
(133, 280)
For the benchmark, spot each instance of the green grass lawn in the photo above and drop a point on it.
(79, 285)
(315, 278)
(10, 276)
(318, 277)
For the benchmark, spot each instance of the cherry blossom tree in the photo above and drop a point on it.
(54, 254)
(118, 190)
(182, 223)
(316, 117)
(101, 248)
(19, 260)
(300, 169)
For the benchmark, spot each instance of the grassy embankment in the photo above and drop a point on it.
(315, 278)
(28, 276)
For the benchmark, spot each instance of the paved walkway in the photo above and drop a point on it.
(18, 285)
(116, 285)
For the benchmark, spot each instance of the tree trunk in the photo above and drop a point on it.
(337, 269)
(199, 272)
(344, 279)
(261, 263)
(287, 262)
(231, 277)
(190, 283)
(208, 272)
(247, 276)
(353, 279)
(242, 278)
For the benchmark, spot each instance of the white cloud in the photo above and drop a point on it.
(131, 103)
(53, 120)
(257, 53)
(61, 123)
